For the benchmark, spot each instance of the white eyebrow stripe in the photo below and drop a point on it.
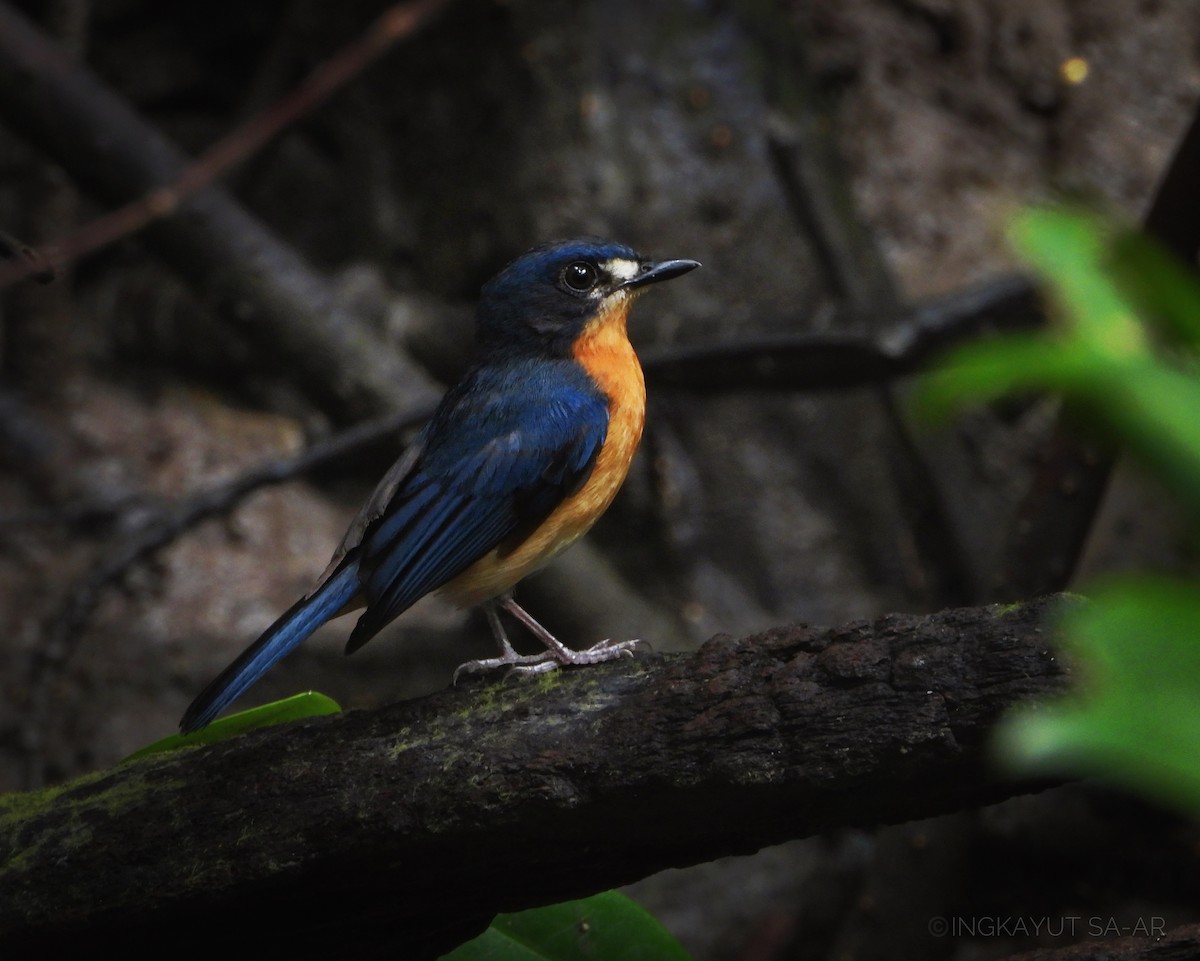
(622, 269)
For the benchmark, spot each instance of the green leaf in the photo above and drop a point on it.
(1136, 719)
(1102, 354)
(1157, 411)
(307, 704)
(1070, 251)
(1159, 286)
(606, 926)
(985, 371)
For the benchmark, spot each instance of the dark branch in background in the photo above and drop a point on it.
(1053, 521)
(395, 24)
(42, 342)
(1174, 214)
(233, 262)
(404, 830)
(813, 178)
(155, 530)
(856, 357)
(29, 260)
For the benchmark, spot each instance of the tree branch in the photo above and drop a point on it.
(854, 356)
(234, 263)
(1178, 944)
(406, 829)
(159, 526)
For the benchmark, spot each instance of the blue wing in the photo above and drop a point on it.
(501, 454)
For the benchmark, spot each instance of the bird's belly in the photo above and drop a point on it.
(499, 570)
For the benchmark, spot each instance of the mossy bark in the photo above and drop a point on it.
(409, 827)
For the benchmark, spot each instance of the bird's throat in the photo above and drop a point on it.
(604, 351)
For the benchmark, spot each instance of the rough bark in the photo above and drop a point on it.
(406, 829)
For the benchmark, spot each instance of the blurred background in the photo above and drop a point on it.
(843, 170)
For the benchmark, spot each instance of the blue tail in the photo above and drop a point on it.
(279, 640)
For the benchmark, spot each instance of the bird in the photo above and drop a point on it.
(520, 458)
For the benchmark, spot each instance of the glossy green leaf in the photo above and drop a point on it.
(307, 704)
(606, 926)
(1136, 718)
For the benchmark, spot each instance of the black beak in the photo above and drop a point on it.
(652, 273)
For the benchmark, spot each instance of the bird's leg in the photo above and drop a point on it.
(507, 652)
(557, 654)
(508, 655)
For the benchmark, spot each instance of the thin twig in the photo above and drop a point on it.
(812, 178)
(395, 24)
(158, 529)
(856, 356)
(238, 268)
(17, 255)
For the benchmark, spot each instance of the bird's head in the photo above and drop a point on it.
(546, 298)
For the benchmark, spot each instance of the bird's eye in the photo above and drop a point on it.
(580, 276)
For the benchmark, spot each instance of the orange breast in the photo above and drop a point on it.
(604, 351)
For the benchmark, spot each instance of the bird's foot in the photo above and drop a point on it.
(550, 659)
(556, 655)
(606, 650)
(524, 663)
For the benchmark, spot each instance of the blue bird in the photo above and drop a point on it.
(520, 458)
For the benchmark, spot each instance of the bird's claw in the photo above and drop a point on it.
(606, 650)
(550, 660)
(525, 663)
